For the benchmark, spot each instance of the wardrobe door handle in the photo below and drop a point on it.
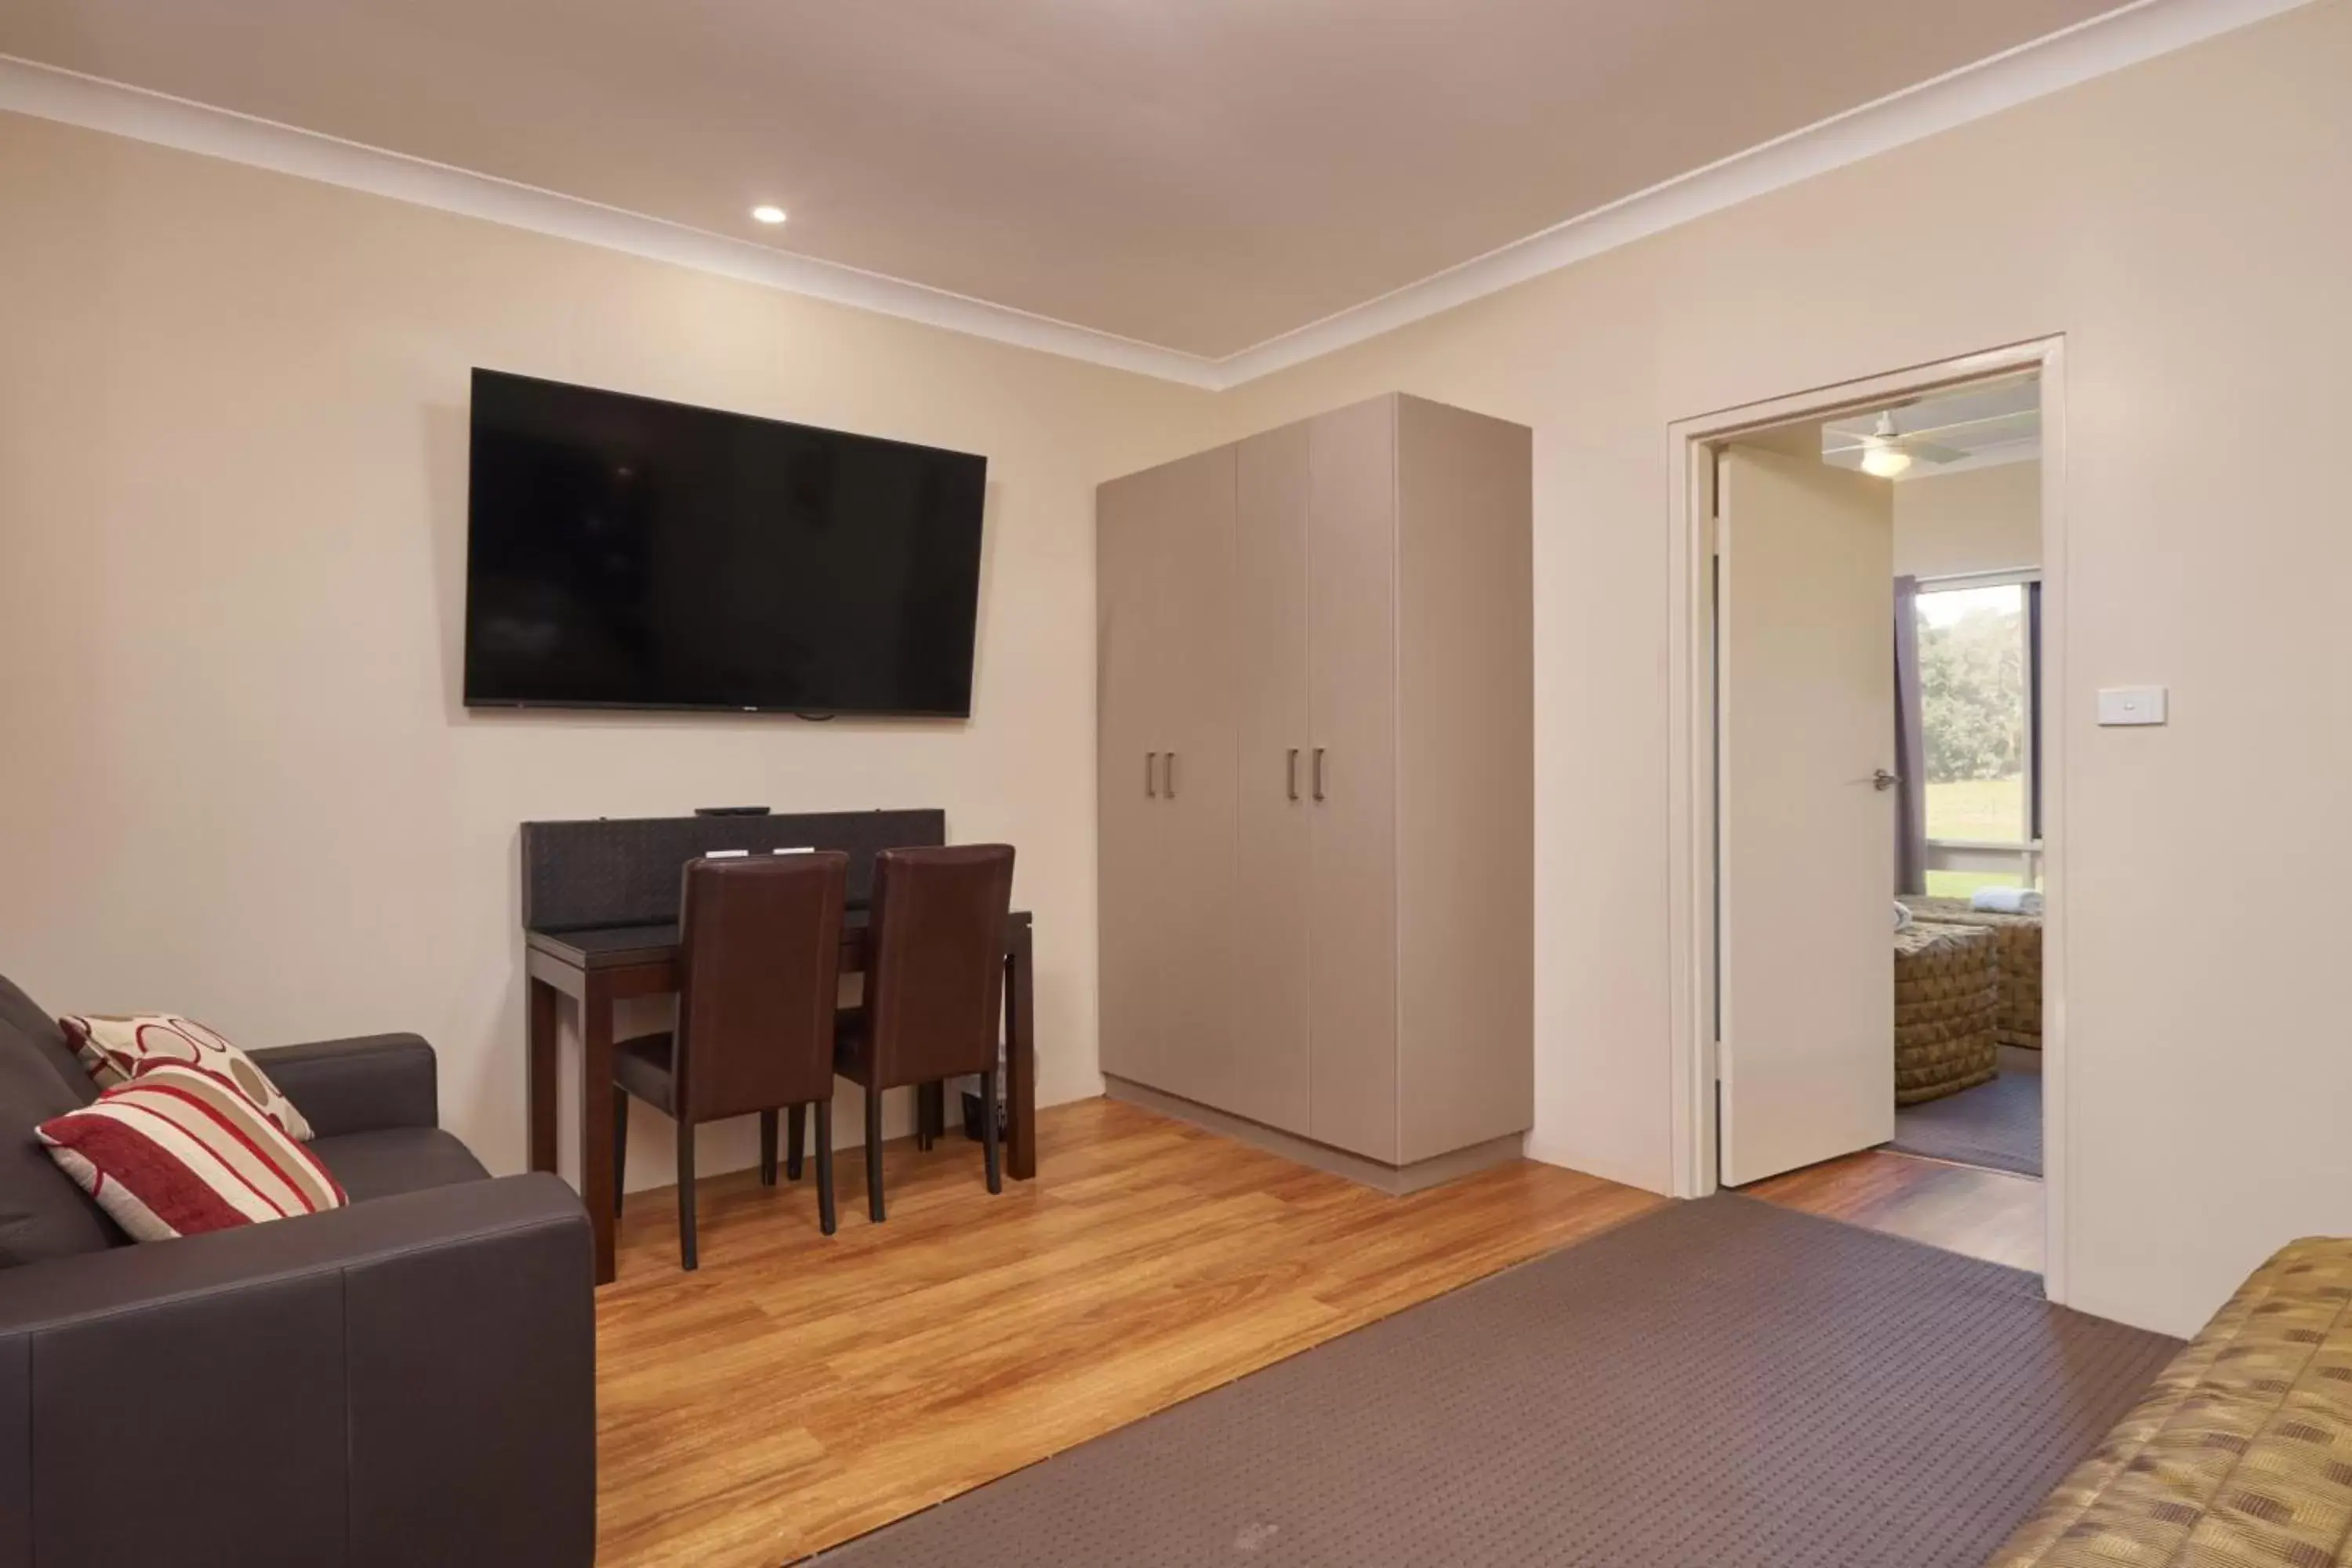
(1150, 792)
(1290, 773)
(1168, 776)
(1319, 772)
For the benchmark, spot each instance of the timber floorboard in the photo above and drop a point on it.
(1992, 1215)
(799, 1390)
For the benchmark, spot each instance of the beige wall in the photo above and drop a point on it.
(2185, 224)
(1979, 520)
(238, 780)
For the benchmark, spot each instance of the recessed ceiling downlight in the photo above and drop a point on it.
(769, 214)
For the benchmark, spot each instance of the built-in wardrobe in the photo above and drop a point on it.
(1316, 788)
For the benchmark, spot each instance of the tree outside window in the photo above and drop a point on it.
(1974, 677)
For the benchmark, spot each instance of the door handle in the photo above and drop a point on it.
(1882, 781)
(1168, 776)
(1319, 772)
(1151, 792)
(1290, 773)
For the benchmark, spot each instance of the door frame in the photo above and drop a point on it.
(1691, 444)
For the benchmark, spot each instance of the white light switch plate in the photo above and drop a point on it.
(2131, 705)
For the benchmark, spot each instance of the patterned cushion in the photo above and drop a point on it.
(177, 1151)
(115, 1048)
(2240, 1455)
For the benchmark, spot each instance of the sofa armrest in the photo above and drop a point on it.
(362, 1085)
(409, 1380)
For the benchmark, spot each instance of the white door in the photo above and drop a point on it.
(1805, 684)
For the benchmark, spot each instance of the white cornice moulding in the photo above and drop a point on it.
(2103, 45)
(2138, 32)
(93, 103)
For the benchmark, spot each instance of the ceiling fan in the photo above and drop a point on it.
(1886, 451)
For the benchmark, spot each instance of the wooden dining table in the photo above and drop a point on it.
(600, 967)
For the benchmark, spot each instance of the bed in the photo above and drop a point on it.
(2018, 941)
(1947, 1005)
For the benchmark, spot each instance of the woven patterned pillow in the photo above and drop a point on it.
(178, 1152)
(114, 1048)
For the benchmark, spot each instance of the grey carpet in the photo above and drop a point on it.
(1719, 1384)
(1997, 1124)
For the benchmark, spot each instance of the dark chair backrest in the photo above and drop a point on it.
(623, 872)
(935, 985)
(758, 975)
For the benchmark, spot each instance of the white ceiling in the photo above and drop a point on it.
(1202, 176)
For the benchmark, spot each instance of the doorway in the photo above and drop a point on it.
(1867, 723)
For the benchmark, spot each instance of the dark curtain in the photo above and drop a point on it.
(1910, 746)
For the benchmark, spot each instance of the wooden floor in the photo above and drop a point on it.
(797, 1390)
(1990, 1215)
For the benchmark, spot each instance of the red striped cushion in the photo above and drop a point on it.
(177, 1151)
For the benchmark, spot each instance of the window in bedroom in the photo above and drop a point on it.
(1978, 645)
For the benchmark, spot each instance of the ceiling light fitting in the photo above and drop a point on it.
(1885, 461)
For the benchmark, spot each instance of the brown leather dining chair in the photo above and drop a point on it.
(934, 986)
(759, 974)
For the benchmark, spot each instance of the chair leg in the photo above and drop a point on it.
(686, 1252)
(923, 1092)
(767, 1147)
(620, 1148)
(873, 1152)
(793, 1144)
(988, 1138)
(824, 1215)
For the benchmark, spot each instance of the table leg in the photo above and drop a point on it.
(1020, 1060)
(596, 1120)
(539, 1087)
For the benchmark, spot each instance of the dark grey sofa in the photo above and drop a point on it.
(407, 1381)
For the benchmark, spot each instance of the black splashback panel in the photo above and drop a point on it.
(624, 871)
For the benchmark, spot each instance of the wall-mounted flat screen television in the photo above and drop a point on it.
(626, 552)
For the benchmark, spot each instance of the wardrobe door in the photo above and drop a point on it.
(1351, 544)
(1274, 863)
(1132, 638)
(1194, 917)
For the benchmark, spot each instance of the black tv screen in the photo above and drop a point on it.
(625, 552)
